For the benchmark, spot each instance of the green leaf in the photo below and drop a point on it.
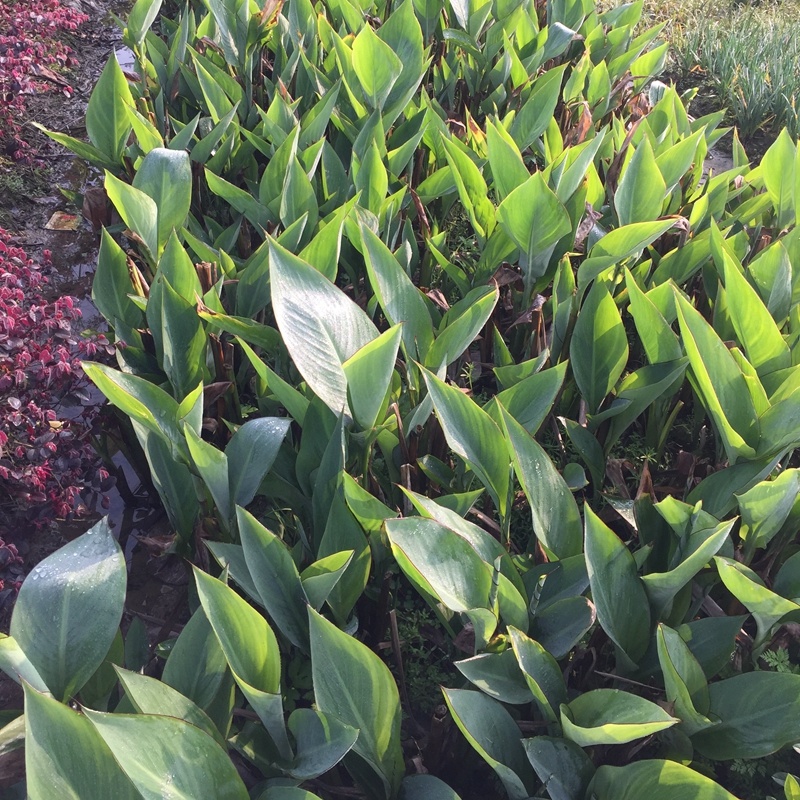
(762, 340)
(372, 180)
(251, 453)
(531, 399)
(561, 625)
(111, 284)
(369, 375)
(275, 577)
(655, 780)
(748, 588)
(640, 194)
(183, 338)
(563, 768)
(166, 176)
(537, 112)
(142, 16)
(65, 757)
(399, 298)
(554, 512)
(611, 716)
(457, 333)
(321, 326)
(212, 465)
(542, 673)
(778, 171)
(719, 382)
(684, 680)
(322, 741)
(535, 220)
(617, 245)
(171, 757)
(250, 649)
(599, 346)
(321, 577)
(661, 587)
(107, 121)
(508, 169)
(425, 787)
(376, 65)
(617, 590)
(137, 209)
(445, 564)
(196, 666)
(69, 609)
(17, 666)
(355, 686)
(758, 713)
(498, 675)
(472, 188)
(150, 696)
(473, 435)
(490, 729)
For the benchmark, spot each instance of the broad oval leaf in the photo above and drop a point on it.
(65, 757)
(322, 328)
(171, 758)
(655, 780)
(563, 768)
(611, 716)
(69, 609)
(355, 686)
(599, 346)
(490, 729)
(617, 590)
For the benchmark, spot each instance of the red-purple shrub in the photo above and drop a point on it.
(31, 56)
(46, 459)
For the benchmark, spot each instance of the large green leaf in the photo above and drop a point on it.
(275, 578)
(369, 375)
(137, 209)
(611, 716)
(166, 176)
(555, 515)
(151, 696)
(662, 587)
(112, 284)
(472, 434)
(376, 65)
(354, 685)
(322, 328)
(762, 340)
(251, 452)
(562, 766)
(542, 673)
(250, 649)
(107, 121)
(498, 675)
(196, 666)
(617, 590)
(758, 713)
(448, 566)
(490, 729)
(535, 219)
(655, 780)
(65, 757)
(69, 609)
(321, 742)
(171, 757)
(599, 346)
(641, 191)
(719, 382)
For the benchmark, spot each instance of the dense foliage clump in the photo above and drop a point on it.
(432, 313)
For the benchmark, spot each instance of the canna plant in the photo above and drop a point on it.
(396, 292)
